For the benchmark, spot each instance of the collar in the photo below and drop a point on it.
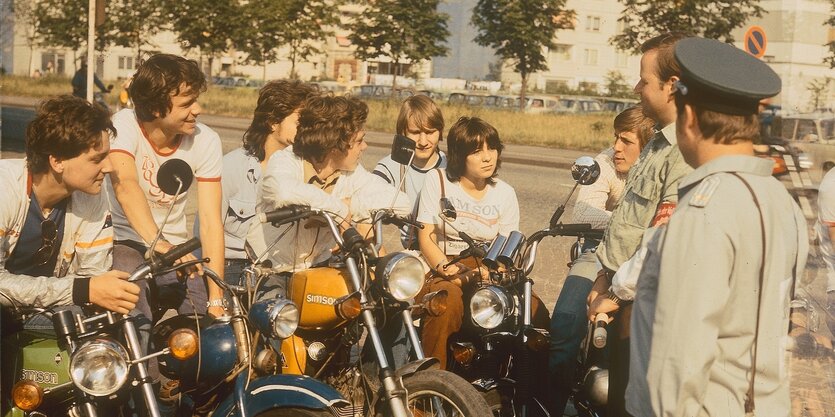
(744, 164)
(437, 164)
(669, 133)
(310, 177)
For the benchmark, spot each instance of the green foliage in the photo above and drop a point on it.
(301, 25)
(133, 23)
(818, 88)
(616, 85)
(205, 25)
(831, 22)
(400, 30)
(63, 23)
(519, 30)
(710, 19)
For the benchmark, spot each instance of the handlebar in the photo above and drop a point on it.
(600, 334)
(284, 214)
(389, 217)
(165, 260)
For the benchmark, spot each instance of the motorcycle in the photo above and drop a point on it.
(351, 299)
(501, 352)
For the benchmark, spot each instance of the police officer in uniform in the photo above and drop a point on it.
(713, 296)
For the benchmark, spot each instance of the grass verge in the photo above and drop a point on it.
(590, 132)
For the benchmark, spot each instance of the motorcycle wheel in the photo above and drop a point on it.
(294, 412)
(432, 388)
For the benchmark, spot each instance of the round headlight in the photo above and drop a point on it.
(99, 367)
(284, 316)
(404, 275)
(489, 307)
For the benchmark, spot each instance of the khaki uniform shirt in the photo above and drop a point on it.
(653, 180)
(695, 311)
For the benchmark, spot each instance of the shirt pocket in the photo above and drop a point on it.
(640, 202)
(238, 216)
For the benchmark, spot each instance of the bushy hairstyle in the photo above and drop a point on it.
(276, 101)
(664, 44)
(722, 128)
(422, 112)
(158, 79)
(467, 136)
(64, 127)
(327, 123)
(633, 120)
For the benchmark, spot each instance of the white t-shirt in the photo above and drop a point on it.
(826, 217)
(497, 212)
(390, 171)
(595, 202)
(202, 151)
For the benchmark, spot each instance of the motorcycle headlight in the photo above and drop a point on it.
(278, 317)
(489, 307)
(403, 275)
(99, 367)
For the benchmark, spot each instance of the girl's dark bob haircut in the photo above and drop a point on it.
(467, 136)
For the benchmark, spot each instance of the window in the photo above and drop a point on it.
(621, 59)
(52, 63)
(126, 63)
(593, 23)
(590, 57)
(561, 53)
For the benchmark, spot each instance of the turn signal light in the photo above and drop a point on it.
(463, 353)
(537, 340)
(27, 395)
(183, 344)
(349, 307)
(435, 303)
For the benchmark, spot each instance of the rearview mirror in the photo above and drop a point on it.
(448, 210)
(585, 170)
(174, 175)
(402, 150)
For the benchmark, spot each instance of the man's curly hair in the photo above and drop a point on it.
(327, 123)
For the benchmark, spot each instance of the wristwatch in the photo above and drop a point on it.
(615, 299)
(218, 302)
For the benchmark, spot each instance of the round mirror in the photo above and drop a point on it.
(585, 170)
(172, 173)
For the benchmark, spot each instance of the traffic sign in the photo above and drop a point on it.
(755, 41)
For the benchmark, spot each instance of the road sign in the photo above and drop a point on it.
(755, 41)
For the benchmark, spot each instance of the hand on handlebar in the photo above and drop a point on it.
(163, 246)
(112, 291)
(601, 285)
(602, 304)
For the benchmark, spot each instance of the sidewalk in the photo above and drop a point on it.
(513, 153)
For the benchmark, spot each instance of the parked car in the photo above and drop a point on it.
(617, 105)
(578, 104)
(372, 91)
(542, 104)
(814, 135)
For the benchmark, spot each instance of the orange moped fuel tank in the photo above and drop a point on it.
(315, 292)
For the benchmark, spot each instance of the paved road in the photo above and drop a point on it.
(542, 182)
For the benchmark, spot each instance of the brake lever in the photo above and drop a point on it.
(182, 265)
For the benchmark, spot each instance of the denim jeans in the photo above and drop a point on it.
(568, 327)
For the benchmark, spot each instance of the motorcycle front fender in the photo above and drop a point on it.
(282, 391)
(416, 366)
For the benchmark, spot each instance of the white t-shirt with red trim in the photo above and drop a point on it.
(202, 151)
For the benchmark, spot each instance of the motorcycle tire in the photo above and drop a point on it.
(295, 412)
(459, 398)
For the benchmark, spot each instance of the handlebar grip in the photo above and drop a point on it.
(167, 259)
(600, 335)
(280, 215)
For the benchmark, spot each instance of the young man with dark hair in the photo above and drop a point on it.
(322, 169)
(648, 199)
(162, 127)
(711, 311)
(56, 239)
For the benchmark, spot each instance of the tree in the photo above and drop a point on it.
(616, 85)
(401, 30)
(519, 31)
(831, 22)
(818, 88)
(261, 39)
(644, 19)
(24, 16)
(133, 23)
(205, 25)
(63, 23)
(306, 27)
